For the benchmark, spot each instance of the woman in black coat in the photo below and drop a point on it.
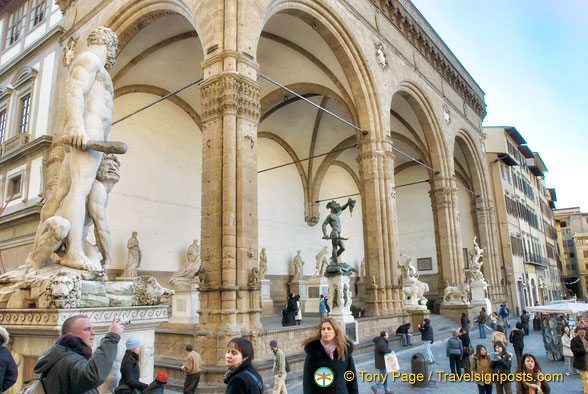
(129, 369)
(8, 369)
(241, 377)
(501, 363)
(332, 349)
(517, 338)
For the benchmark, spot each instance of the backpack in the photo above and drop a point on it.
(287, 365)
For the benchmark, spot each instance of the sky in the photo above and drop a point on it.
(531, 60)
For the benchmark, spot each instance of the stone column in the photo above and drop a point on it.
(487, 232)
(229, 304)
(380, 226)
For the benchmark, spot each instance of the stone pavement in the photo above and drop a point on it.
(533, 344)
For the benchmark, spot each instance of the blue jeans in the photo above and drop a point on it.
(383, 373)
(405, 339)
(482, 328)
(428, 353)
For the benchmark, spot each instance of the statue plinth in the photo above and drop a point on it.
(315, 286)
(479, 290)
(185, 302)
(267, 304)
(298, 287)
(340, 303)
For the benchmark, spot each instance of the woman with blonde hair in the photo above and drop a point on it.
(329, 349)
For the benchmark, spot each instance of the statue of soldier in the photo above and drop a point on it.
(335, 222)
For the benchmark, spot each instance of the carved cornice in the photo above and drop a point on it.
(250, 100)
(406, 24)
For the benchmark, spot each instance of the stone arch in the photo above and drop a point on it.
(474, 161)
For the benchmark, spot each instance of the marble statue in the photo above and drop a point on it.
(254, 276)
(298, 267)
(381, 56)
(362, 272)
(64, 290)
(334, 221)
(191, 266)
(321, 261)
(475, 262)
(374, 281)
(262, 263)
(456, 294)
(336, 297)
(408, 271)
(89, 82)
(148, 291)
(413, 296)
(346, 296)
(203, 275)
(134, 257)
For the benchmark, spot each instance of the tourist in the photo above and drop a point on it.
(579, 345)
(70, 365)
(332, 349)
(285, 315)
(454, 351)
(192, 370)
(427, 337)
(481, 320)
(537, 384)
(517, 336)
(298, 317)
(291, 309)
(405, 335)
(323, 307)
(279, 368)
(157, 386)
(494, 320)
(241, 377)
(525, 320)
(381, 348)
(464, 321)
(499, 336)
(566, 340)
(8, 368)
(464, 337)
(503, 312)
(130, 372)
(501, 363)
(482, 367)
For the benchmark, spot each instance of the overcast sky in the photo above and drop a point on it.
(531, 60)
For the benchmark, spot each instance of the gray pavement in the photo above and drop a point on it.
(533, 344)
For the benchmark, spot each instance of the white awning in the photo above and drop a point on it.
(564, 307)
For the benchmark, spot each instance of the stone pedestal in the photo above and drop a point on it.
(34, 330)
(479, 291)
(267, 304)
(185, 303)
(454, 311)
(315, 286)
(417, 316)
(340, 303)
(298, 287)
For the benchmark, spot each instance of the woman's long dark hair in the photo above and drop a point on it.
(478, 350)
(521, 366)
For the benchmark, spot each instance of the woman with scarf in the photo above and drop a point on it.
(332, 349)
(241, 376)
(129, 369)
(482, 370)
(537, 384)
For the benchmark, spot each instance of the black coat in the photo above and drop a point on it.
(316, 357)
(426, 332)
(579, 353)
(380, 349)
(403, 329)
(240, 382)
(465, 340)
(525, 320)
(503, 365)
(464, 321)
(8, 370)
(154, 388)
(130, 373)
(517, 338)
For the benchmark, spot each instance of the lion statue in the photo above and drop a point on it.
(456, 293)
(64, 290)
(148, 291)
(414, 295)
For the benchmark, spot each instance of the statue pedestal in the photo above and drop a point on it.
(34, 330)
(315, 286)
(340, 303)
(267, 304)
(298, 287)
(479, 289)
(418, 316)
(185, 303)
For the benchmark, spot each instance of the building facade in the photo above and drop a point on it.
(572, 232)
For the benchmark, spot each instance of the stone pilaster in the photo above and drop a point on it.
(230, 300)
(376, 170)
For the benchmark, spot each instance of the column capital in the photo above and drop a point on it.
(230, 92)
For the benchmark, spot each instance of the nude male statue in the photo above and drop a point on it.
(335, 223)
(89, 108)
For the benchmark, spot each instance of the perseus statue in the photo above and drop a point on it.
(335, 222)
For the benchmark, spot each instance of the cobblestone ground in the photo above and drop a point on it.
(533, 344)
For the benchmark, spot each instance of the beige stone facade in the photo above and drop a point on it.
(572, 233)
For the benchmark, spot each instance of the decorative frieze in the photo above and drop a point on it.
(230, 94)
(443, 197)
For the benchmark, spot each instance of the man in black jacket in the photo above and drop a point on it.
(380, 350)
(291, 309)
(579, 345)
(427, 337)
(405, 335)
(525, 321)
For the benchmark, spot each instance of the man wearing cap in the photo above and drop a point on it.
(70, 365)
(192, 369)
(279, 368)
(157, 386)
(579, 345)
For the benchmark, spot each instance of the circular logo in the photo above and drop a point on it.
(323, 377)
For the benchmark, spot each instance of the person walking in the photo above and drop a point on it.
(291, 309)
(279, 368)
(482, 323)
(329, 348)
(130, 373)
(494, 320)
(482, 369)
(525, 320)
(192, 370)
(579, 345)
(8, 368)
(464, 337)
(323, 307)
(405, 335)
(501, 363)
(537, 384)
(427, 337)
(517, 336)
(241, 377)
(464, 321)
(566, 340)
(454, 351)
(504, 313)
(158, 385)
(298, 317)
(381, 348)
(499, 336)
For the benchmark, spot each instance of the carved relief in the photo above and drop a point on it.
(64, 290)
(148, 291)
(443, 197)
(69, 51)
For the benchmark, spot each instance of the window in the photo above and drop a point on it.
(15, 26)
(563, 224)
(14, 187)
(570, 242)
(2, 125)
(25, 112)
(572, 255)
(38, 12)
(586, 254)
(425, 264)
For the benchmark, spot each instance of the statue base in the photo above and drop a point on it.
(315, 286)
(418, 316)
(479, 289)
(267, 304)
(34, 330)
(185, 303)
(340, 303)
(454, 311)
(298, 287)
